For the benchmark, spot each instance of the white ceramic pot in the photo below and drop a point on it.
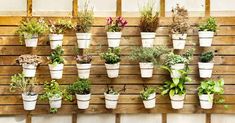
(56, 40)
(175, 70)
(150, 102)
(83, 70)
(83, 40)
(205, 69)
(146, 70)
(114, 39)
(56, 70)
(29, 70)
(111, 101)
(32, 41)
(206, 101)
(55, 102)
(29, 101)
(179, 40)
(205, 38)
(177, 101)
(148, 38)
(83, 101)
(112, 70)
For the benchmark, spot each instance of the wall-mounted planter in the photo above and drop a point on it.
(205, 38)
(112, 70)
(83, 101)
(179, 40)
(205, 69)
(150, 102)
(114, 39)
(56, 40)
(83, 70)
(147, 39)
(206, 101)
(56, 70)
(29, 101)
(29, 70)
(111, 101)
(83, 40)
(55, 102)
(31, 42)
(146, 70)
(177, 101)
(175, 70)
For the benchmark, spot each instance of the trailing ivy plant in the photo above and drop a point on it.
(60, 26)
(56, 56)
(206, 57)
(112, 56)
(209, 25)
(144, 95)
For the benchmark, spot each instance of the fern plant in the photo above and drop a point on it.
(56, 56)
(112, 56)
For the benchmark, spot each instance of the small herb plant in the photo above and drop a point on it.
(115, 25)
(144, 95)
(28, 59)
(180, 23)
(209, 25)
(84, 59)
(112, 56)
(81, 86)
(31, 27)
(206, 57)
(60, 26)
(149, 20)
(56, 56)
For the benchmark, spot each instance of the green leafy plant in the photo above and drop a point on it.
(115, 25)
(85, 18)
(30, 27)
(56, 56)
(149, 20)
(29, 59)
(144, 95)
(206, 57)
(209, 25)
(112, 56)
(60, 26)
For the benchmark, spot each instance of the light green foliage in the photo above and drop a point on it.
(80, 86)
(209, 25)
(206, 57)
(60, 26)
(112, 56)
(56, 56)
(51, 89)
(111, 90)
(147, 92)
(211, 87)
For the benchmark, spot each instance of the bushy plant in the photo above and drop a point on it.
(56, 56)
(60, 26)
(211, 87)
(180, 24)
(28, 59)
(112, 56)
(149, 20)
(115, 25)
(206, 57)
(83, 59)
(209, 25)
(80, 86)
(144, 95)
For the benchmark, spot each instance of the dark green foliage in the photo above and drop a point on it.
(206, 57)
(112, 56)
(56, 56)
(81, 86)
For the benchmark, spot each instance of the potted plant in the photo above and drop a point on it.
(148, 95)
(114, 28)
(207, 90)
(29, 64)
(81, 88)
(205, 64)
(57, 29)
(147, 57)
(83, 66)
(149, 21)
(112, 61)
(206, 32)
(56, 64)
(20, 83)
(29, 29)
(179, 27)
(83, 27)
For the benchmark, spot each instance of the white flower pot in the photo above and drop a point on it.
(114, 39)
(175, 70)
(206, 101)
(83, 101)
(150, 102)
(55, 102)
(29, 101)
(146, 70)
(56, 40)
(83, 70)
(205, 38)
(111, 101)
(112, 70)
(177, 101)
(179, 40)
(83, 40)
(205, 69)
(56, 70)
(32, 41)
(148, 38)
(29, 70)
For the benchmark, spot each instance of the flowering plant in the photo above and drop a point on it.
(115, 25)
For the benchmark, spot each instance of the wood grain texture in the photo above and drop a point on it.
(119, 8)
(75, 8)
(29, 8)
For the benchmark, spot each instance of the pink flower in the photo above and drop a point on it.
(109, 21)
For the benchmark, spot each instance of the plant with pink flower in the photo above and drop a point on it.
(115, 25)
